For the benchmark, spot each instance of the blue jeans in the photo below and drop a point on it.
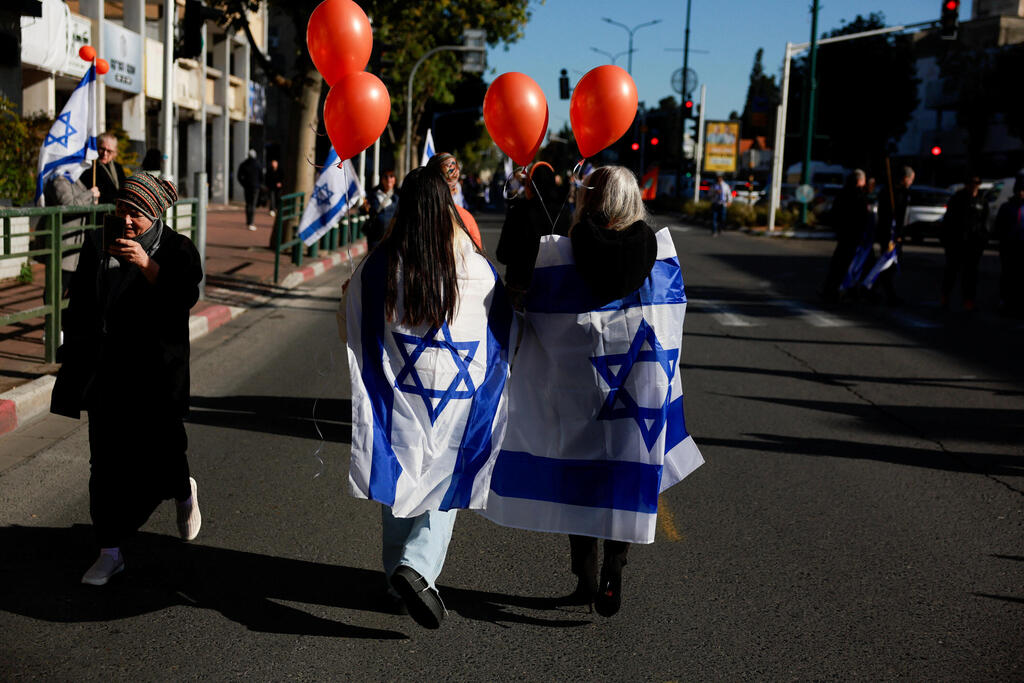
(419, 542)
(717, 218)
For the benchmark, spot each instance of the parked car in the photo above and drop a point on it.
(749, 193)
(925, 211)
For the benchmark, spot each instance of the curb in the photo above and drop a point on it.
(24, 402)
(790, 234)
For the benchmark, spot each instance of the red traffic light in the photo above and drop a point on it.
(952, 5)
(688, 104)
(635, 146)
(936, 151)
(654, 141)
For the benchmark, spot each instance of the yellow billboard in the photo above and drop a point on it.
(721, 146)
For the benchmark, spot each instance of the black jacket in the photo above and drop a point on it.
(132, 348)
(250, 174)
(850, 214)
(525, 223)
(895, 215)
(613, 263)
(966, 220)
(108, 190)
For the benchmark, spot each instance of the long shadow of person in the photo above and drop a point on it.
(41, 581)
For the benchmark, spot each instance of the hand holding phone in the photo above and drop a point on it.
(113, 229)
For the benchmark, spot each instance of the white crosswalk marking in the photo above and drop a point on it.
(813, 317)
(722, 315)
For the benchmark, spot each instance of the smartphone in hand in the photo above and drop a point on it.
(113, 229)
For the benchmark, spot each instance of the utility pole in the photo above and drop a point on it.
(630, 31)
(810, 88)
(682, 98)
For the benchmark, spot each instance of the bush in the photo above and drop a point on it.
(698, 210)
(742, 215)
(20, 140)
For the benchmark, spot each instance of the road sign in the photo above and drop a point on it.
(804, 193)
(677, 81)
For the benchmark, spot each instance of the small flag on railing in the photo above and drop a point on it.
(334, 192)
(70, 146)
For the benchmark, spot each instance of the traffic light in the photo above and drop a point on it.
(654, 142)
(936, 150)
(563, 85)
(687, 109)
(635, 146)
(950, 19)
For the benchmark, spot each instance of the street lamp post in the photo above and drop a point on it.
(609, 55)
(631, 31)
(408, 95)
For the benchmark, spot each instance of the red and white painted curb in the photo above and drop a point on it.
(22, 403)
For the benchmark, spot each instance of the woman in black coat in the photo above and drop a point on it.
(126, 362)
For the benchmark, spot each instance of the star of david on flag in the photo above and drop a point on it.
(409, 381)
(70, 144)
(620, 403)
(336, 191)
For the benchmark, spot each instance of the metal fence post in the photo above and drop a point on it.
(54, 293)
(202, 193)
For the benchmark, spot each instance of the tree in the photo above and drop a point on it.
(969, 79)
(762, 98)
(867, 91)
(406, 31)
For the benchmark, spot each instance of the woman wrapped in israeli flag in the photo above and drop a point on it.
(596, 428)
(427, 326)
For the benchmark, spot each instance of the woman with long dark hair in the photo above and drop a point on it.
(427, 326)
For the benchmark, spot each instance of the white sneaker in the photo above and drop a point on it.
(252, 227)
(103, 569)
(189, 519)
(273, 213)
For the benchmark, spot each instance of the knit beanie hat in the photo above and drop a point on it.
(147, 193)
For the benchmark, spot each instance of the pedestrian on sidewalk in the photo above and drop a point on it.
(275, 185)
(250, 177)
(448, 166)
(850, 216)
(721, 198)
(1009, 230)
(964, 236)
(125, 360)
(596, 427)
(427, 324)
(892, 219)
(383, 205)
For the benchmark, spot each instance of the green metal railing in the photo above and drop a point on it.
(289, 213)
(45, 243)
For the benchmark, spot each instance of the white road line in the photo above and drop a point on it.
(813, 317)
(722, 315)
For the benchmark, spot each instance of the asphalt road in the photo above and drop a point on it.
(860, 515)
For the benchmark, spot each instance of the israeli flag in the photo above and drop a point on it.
(336, 191)
(885, 261)
(596, 427)
(428, 148)
(70, 146)
(858, 265)
(428, 403)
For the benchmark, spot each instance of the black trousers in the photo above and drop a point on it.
(838, 266)
(963, 259)
(251, 194)
(136, 462)
(583, 554)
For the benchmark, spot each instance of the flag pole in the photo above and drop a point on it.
(94, 160)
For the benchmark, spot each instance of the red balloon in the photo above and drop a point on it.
(87, 52)
(602, 108)
(516, 115)
(102, 66)
(339, 38)
(356, 113)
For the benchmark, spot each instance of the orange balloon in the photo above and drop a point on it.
(356, 113)
(339, 38)
(102, 66)
(516, 115)
(87, 52)
(602, 108)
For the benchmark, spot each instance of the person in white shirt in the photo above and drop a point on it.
(721, 198)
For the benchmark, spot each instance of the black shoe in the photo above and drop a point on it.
(586, 588)
(609, 595)
(423, 601)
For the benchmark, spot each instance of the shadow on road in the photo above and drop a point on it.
(283, 415)
(41, 580)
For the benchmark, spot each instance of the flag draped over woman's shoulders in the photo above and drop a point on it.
(596, 428)
(428, 403)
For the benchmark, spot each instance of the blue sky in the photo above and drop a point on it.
(561, 34)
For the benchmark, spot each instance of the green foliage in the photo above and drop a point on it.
(126, 155)
(20, 140)
(25, 276)
(742, 215)
(763, 97)
(867, 91)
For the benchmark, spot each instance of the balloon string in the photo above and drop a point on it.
(319, 166)
(543, 204)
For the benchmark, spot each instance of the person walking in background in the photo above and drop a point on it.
(125, 360)
(250, 177)
(892, 218)
(1009, 230)
(851, 220)
(275, 184)
(964, 235)
(383, 205)
(721, 198)
(109, 173)
(448, 167)
(421, 304)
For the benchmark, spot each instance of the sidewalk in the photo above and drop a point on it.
(239, 274)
